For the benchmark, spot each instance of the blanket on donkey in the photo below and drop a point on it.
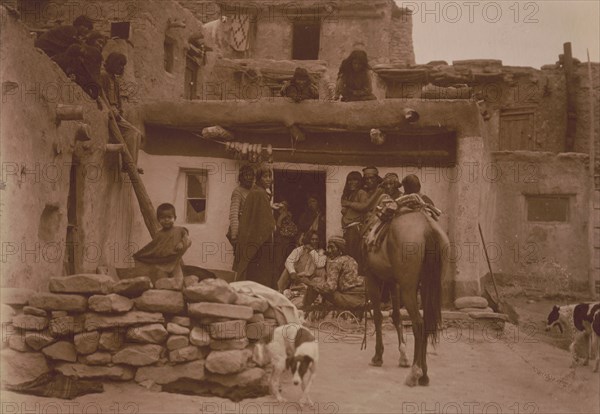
(379, 224)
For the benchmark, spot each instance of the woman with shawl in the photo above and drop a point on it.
(254, 248)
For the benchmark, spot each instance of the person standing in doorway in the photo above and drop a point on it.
(254, 258)
(312, 219)
(352, 218)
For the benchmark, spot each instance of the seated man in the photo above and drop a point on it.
(302, 260)
(339, 283)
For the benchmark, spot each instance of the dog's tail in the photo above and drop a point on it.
(260, 354)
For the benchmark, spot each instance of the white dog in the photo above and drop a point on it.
(294, 347)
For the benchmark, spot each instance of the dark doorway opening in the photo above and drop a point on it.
(72, 257)
(295, 187)
(191, 77)
(306, 40)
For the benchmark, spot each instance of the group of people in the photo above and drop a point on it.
(268, 251)
(77, 49)
(353, 81)
(264, 233)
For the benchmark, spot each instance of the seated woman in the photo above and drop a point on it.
(354, 78)
(303, 260)
(340, 284)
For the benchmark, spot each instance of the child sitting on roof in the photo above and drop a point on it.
(162, 256)
(300, 87)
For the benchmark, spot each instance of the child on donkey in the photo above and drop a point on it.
(162, 256)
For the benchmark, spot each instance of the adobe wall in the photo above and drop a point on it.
(210, 248)
(542, 255)
(37, 154)
(401, 40)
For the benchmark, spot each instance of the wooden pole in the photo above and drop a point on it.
(570, 90)
(593, 225)
(146, 207)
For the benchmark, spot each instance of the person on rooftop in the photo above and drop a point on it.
(58, 39)
(354, 78)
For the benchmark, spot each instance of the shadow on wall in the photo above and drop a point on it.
(49, 226)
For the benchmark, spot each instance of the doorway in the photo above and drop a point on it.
(306, 40)
(295, 186)
(73, 259)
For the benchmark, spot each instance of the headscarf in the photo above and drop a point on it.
(346, 66)
(339, 242)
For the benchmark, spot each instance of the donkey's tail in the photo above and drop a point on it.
(435, 265)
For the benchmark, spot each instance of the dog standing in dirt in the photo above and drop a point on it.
(293, 346)
(578, 319)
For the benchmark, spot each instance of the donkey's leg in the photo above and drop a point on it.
(373, 289)
(409, 297)
(396, 305)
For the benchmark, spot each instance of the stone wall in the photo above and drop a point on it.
(199, 339)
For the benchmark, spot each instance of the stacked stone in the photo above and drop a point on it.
(477, 308)
(90, 326)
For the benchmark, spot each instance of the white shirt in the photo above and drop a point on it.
(318, 257)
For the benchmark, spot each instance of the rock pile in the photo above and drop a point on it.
(198, 339)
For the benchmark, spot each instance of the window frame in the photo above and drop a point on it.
(186, 173)
(561, 196)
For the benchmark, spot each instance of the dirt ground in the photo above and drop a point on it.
(472, 370)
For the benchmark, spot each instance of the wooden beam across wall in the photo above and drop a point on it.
(461, 116)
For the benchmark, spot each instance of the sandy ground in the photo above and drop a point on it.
(471, 371)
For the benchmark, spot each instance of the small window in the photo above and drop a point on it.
(120, 30)
(547, 207)
(195, 192)
(306, 41)
(169, 54)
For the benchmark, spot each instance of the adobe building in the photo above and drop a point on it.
(492, 144)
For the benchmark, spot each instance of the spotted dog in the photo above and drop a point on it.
(293, 347)
(577, 319)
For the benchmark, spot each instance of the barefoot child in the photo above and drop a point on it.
(162, 256)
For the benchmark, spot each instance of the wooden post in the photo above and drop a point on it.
(69, 113)
(570, 90)
(146, 207)
(593, 225)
